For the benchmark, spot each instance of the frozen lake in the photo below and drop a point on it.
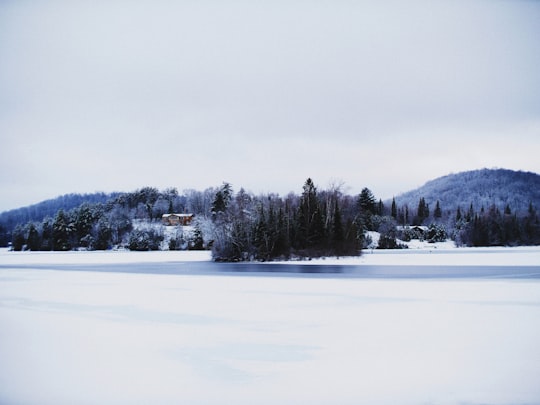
(132, 328)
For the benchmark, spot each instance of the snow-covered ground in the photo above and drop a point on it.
(426, 254)
(120, 338)
(102, 257)
(440, 256)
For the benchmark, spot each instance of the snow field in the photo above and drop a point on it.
(83, 337)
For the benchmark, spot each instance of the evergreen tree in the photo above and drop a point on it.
(366, 201)
(367, 208)
(33, 241)
(282, 246)
(197, 240)
(338, 232)
(406, 215)
(394, 213)
(84, 221)
(47, 234)
(61, 232)
(103, 234)
(262, 236)
(307, 210)
(438, 212)
(18, 240)
(422, 212)
(222, 199)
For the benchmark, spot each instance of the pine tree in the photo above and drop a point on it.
(306, 215)
(33, 241)
(366, 201)
(197, 240)
(367, 208)
(394, 209)
(84, 221)
(46, 233)
(61, 231)
(18, 239)
(422, 212)
(104, 234)
(438, 212)
(222, 199)
(406, 215)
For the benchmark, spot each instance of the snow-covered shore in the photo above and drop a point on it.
(102, 257)
(428, 254)
(436, 256)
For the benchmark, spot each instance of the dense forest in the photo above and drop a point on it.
(481, 188)
(242, 226)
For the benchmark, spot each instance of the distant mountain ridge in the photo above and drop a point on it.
(38, 211)
(482, 188)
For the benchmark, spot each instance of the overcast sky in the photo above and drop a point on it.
(118, 95)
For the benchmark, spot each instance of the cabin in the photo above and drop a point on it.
(413, 232)
(177, 219)
(415, 228)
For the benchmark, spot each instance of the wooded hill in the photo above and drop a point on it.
(481, 188)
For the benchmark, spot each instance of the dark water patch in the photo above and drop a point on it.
(302, 270)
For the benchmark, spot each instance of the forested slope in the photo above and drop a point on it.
(481, 188)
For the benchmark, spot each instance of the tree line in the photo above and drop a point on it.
(126, 220)
(243, 226)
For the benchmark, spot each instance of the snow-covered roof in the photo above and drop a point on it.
(177, 215)
(403, 228)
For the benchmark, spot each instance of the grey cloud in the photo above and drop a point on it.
(118, 79)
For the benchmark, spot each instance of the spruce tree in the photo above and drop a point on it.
(306, 215)
(366, 201)
(423, 211)
(367, 208)
(18, 238)
(438, 212)
(222, 199)
(33, 241)
(61, 231)
(46, 234)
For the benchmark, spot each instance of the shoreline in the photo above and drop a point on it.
(488, 256)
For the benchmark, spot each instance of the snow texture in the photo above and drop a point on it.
(119, 338)
(421, 253)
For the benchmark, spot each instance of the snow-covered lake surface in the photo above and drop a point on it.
(124, 328)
